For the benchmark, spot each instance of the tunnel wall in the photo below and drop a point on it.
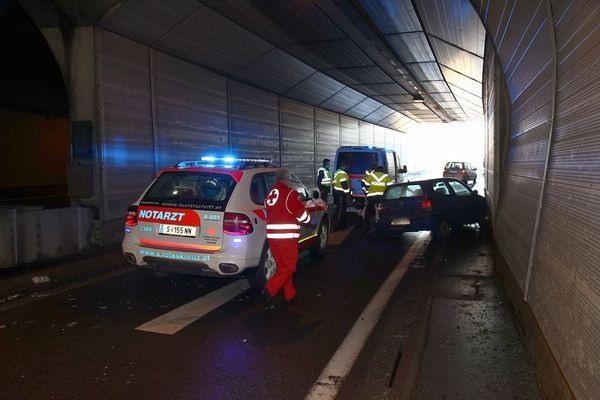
(548, 212)
(157, 110)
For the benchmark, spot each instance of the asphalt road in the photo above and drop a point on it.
(83, 343)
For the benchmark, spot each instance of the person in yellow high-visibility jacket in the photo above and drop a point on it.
(378, 181)
(324, 180)
(341, 192)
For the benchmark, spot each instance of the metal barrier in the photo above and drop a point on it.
(30, 233)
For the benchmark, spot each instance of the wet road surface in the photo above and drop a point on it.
(83, 344)
(444, 334)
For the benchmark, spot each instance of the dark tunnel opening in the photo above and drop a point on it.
(34, 115)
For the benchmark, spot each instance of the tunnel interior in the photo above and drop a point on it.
(295, 80)
(34, 115)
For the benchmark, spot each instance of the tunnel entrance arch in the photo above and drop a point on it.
(34, 115)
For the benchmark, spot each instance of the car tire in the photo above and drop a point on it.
(267, 267)
(322, 239)
(443, 230)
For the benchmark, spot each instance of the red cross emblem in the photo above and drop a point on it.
(273, 197)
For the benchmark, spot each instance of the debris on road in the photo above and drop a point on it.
(11, 298)
(40, 279)
(72, 324)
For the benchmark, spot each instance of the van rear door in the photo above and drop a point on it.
(359, 162)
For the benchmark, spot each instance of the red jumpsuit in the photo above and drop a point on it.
(285, 211)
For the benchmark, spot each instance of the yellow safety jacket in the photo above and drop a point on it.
(326, 181)
(339, 177)
(377, 182)
(365, 180)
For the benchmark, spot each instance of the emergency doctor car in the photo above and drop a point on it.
(207, 217)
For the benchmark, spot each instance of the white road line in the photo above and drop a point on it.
(330, 381)
(179, 318)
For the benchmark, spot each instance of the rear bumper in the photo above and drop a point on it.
(188, 263)
(416, 224)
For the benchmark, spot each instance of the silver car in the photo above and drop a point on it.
(206, 218)
(461, 170)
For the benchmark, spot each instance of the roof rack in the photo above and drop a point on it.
(226, 162)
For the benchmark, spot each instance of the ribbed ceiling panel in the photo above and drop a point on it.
(209, 39)
(315, 89)
(344, 100)
(147, 20)
(276, 71)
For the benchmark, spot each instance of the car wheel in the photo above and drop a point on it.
(267, 266)
(443, 229)
(322, 238)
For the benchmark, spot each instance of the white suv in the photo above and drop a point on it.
(207, 218)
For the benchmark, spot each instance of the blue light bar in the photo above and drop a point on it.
(226, 162)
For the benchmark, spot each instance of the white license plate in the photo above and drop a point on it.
(177, 230)
(401, 221)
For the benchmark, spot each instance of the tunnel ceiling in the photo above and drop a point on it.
(384, 62)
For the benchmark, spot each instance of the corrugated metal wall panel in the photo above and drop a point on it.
(564, 290)
(327, 136)
(348, 131)
(253, 122)
(126, 122)
(378, 136)
(390, 142)
(191, 110)
(565, 283)
(298, 139)
(365, 132)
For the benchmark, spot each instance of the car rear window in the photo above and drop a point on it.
(454, 165)
(191, 189)
(403, 191)
(359, 161)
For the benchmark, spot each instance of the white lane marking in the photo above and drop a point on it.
(179, 318)
(330, 381)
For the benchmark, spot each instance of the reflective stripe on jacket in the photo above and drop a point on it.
(285, 211)
(378, 181)
(326, 181)
(339, 178)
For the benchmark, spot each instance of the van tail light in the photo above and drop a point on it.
(236, 224)
(131, 218)
(426, 204)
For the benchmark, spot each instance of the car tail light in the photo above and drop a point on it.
(462, 172)
(426, 204)
(236, 224)
(131, 218)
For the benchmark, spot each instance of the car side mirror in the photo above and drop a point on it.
(316, 195)
(475, 192)
(474, 169)
(404, 169)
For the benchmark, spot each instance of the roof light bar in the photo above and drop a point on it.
(228, 161)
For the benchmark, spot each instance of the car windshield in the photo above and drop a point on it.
(187, 188)
(359, 161)
(403, 191)
(454, 165)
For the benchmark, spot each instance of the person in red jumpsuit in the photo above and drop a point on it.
(285, 213)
